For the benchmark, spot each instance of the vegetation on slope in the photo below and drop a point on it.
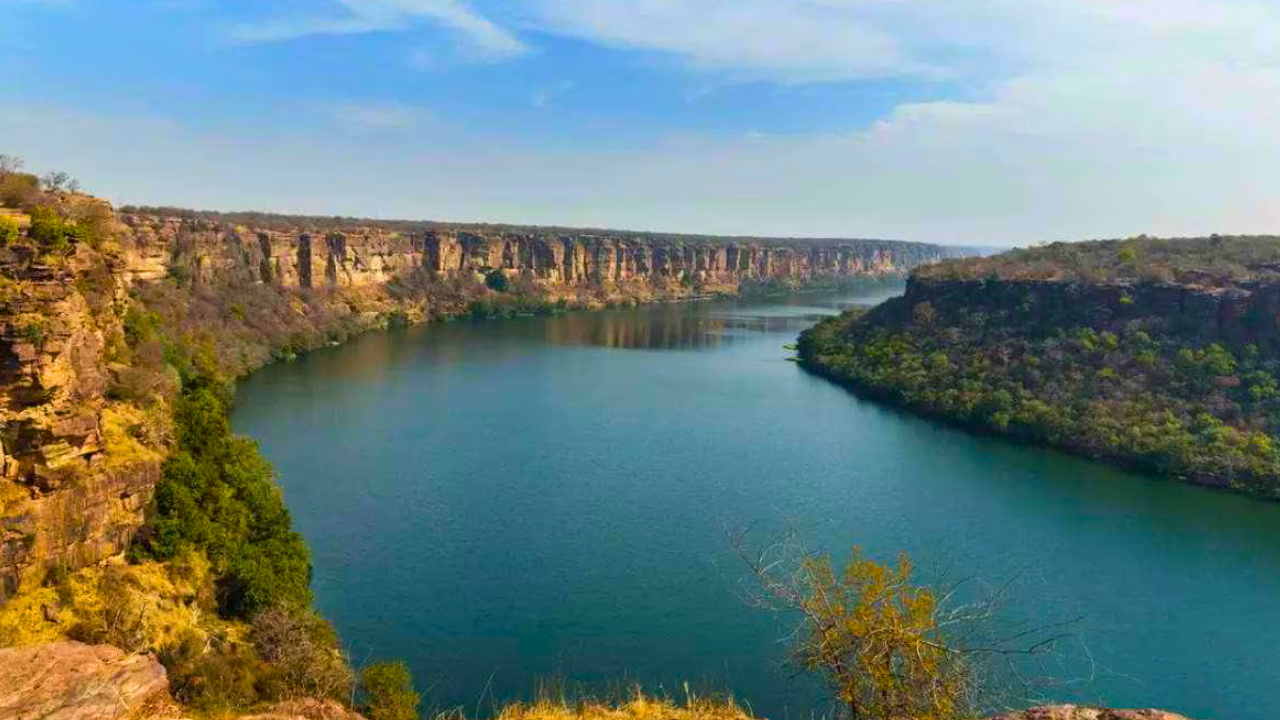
(1142, 389)
(217, 582)
(1215, 261)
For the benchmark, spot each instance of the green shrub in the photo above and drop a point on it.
(9, 230)
(386, 692)
(213, 682)
(49, 230)
(217, 494)
(496, 280)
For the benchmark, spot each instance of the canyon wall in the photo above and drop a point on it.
(1245, 313)
(82, 444)
(354, 255)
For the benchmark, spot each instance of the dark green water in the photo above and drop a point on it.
(536, 501)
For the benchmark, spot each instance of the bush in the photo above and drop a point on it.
(386, 692)
(8, 230)
(496, 280)
(18, 190)
(213, 682)
(302, 649)
(49, 230)
(217, 494)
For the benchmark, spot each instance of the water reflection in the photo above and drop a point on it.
(708, 325)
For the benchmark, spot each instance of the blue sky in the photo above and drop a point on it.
(970, 121)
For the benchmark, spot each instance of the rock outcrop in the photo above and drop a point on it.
(62, 499)
(74, 681)
(354, 254)
(1073, 712)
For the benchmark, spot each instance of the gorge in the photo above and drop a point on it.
(77, 478)
(546, 498)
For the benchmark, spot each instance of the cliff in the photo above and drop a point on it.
(307, 253)
(1161, 355)
(88, 334)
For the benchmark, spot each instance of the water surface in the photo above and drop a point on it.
(544, 501)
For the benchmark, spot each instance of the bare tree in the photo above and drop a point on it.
(303, 648)
(885, 646)
(10, 164)
(56, 180)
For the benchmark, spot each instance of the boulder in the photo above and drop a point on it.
(1073, 712)
(74, 681)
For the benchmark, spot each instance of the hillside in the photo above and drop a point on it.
(1159, 354)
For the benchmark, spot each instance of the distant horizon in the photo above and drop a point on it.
(991, 124)
(149, 208)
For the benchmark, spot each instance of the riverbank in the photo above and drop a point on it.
(1177, 379)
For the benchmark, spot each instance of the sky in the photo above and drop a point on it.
(985, 122)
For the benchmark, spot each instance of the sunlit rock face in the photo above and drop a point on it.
(304, 256)
(1072, 712)
(74, 681)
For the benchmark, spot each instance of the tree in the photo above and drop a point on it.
(387, 692)
(18, 189)
(886, 647)
(302, 648)
(496, 280)
(923, 313)
(10, 164)
(56, 180)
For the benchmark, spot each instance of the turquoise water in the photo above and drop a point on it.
(543, 503)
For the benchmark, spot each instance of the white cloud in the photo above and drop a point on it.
(840, 40)
(1079, 118)
(481, 38)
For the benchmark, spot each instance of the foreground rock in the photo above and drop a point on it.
(1072, 712)
(74, 681)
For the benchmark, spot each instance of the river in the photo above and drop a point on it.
(542, 504)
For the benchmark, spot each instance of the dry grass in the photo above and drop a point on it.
(123, 426)
(144, 607)
(640, 707)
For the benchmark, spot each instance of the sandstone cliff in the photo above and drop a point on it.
(213, 248)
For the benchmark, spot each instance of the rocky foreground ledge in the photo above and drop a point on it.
(1074, 712)
(74, 681)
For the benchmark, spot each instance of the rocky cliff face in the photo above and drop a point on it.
(63, 500)
(355, 255)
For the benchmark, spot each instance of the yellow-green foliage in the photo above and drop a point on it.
(124, 428)
(12, 493)
(875, 636)
(149, 606)
(22, 621)
(8, 230)
(640, 707)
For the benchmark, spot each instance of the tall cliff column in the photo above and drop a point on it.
(304, 260)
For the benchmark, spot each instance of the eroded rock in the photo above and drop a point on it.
(74, 681)
(1074, 712)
